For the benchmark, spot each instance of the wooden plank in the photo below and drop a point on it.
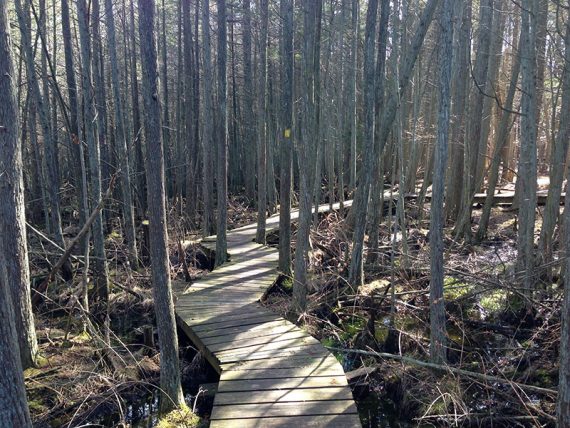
(279, 363)
(282, 396)
(259, 319)
(275, 373)
(326, 421)
(249, 338)
(281, 383)
(317, 350)
(241, 329)
(275, 345)
(216, 317)
(310, 408)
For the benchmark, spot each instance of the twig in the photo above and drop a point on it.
(43, 286)
(462, 372)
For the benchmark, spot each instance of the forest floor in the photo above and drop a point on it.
(492, 331)
(78, 380)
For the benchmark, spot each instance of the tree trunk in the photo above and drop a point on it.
(171, 390)
(558, 159)
(527, 160)
(306, 150)
(473, 133)
(120, 140)
(222, 143)
(360, 205)
(461, 67)
(14, 269)
(208, 220)
(286, 50)
(137, 142)
(40, 100)
(437, 305)
(501, 140)
(262, 126)
(99, 263)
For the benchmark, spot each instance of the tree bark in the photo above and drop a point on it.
(262, 126)
(438, 340)
(171, 390)
(120, 140)
(286, 143)
(208, 220)
(360, 205)
(15, 274)
(527, 173)
(99, 264)
(222, 143)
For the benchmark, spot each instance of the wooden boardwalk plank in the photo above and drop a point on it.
(272, 373)
(260, 410)
(325, 421)
(282, 396)
(281, 383)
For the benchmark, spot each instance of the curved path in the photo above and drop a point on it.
(272, 373)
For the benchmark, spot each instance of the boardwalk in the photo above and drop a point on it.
(272, 373)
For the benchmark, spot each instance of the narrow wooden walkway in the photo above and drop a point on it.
(272, 373)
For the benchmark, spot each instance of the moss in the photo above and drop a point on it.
(287, 284)
(82, 337)
(454, 288)
(494, 301)
(182, 418)
(37, 407)
(352, 326)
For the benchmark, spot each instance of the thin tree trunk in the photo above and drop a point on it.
(208, 220)
(360, 205)
(262, 126)
(500, 142)
(558, 160)
(437, 304)
(171, 390)
(527, 160)
(99, 264)
(120, 140)
(39, 99)
(287, 61)
(20, 331)
(222, 143)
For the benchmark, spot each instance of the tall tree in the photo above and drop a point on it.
(474, 124)
(527, 173)
(306, 149)
(16, 273)
(262, 125)
(99, 263)
(360, 205)
(563, 403)
(208, 221)
(286, 135)
(437, 305)
(222, 143)
(120, 139)
(14, 411)
(249, 97)
(40, 101)
(558, 159)
(171, 390)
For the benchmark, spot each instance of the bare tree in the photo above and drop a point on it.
(171, 390)
(437, 304)
(527, 173)
(222, 137)
(120, 139)
(262, 125)
(286, 56)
